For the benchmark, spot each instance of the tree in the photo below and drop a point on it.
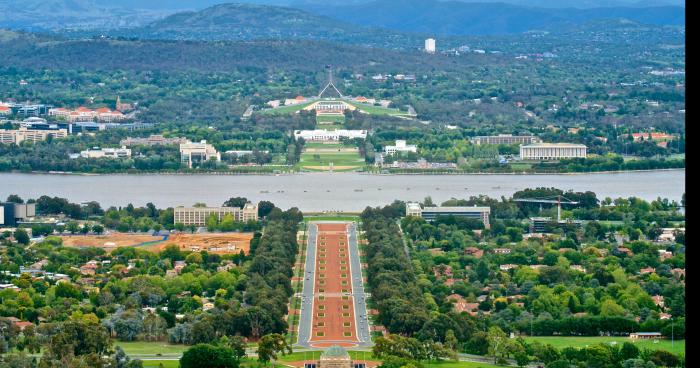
(451, 340)
(498, 341)
(208, 356)
(21, 236)
(14, 198)
(98, 229)
(521, 358)
(271, 345)
(264, 208)
(629, 351)
(238, 346)
(239, 202)
(73, 227)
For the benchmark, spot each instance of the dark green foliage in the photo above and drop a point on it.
(209, 356)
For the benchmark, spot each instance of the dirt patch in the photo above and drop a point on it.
(108, 242)
(219, 243)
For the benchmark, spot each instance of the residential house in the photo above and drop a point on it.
(474, 252)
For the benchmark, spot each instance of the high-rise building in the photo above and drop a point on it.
(430, 45)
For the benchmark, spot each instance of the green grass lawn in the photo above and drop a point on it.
(452, 364)
(521, 167)
(315, 355)
(340, 217)
(150, 348)
(328, 119)
(285, 109)
(561, 342)
(157, 363)
(376, 110)
(340, 159)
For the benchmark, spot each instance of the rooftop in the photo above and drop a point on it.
(554, 145)
(456, 209)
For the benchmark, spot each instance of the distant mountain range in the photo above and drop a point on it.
(250, 22)
(460, 18)
(308, 20)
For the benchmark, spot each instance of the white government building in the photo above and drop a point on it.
(552, 151)
(329, 135)
(400, 146)
(192, 152)
(106, 153)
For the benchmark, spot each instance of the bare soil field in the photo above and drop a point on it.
(108, 242)
(219, 243)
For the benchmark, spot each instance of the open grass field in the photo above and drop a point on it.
(330, 119)
(161, 363)
(219, 243)
(561, 342)
(340, 217)
(376, 110)
(136, 348)
(285, 109)
(321, 161)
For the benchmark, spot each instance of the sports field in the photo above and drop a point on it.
(561, 342)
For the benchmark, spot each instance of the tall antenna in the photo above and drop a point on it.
(330, 83)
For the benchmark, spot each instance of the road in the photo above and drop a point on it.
(307, 293)
(358, 290)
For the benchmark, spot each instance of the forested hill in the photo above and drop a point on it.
(248, 22)
(22, 50)
(459, 18)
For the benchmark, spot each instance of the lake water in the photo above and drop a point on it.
(327, 191)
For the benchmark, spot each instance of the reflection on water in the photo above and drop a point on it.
(326, 191)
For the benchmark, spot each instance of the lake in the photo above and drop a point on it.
(327, 191)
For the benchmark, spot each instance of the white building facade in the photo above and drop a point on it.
(323, 135)
(430, 46)
(552, 151)
(400, 146)
(192, 152)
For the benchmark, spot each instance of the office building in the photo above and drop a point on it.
(430, 46)
(552, 151)
(506, 139)
(192, 153)
(432, 213)
(12, 213)
(153, 140)
(32, 135)
(400, 146)
(198, 215)
(106, 153)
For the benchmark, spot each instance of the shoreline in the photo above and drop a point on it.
(339, 173)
